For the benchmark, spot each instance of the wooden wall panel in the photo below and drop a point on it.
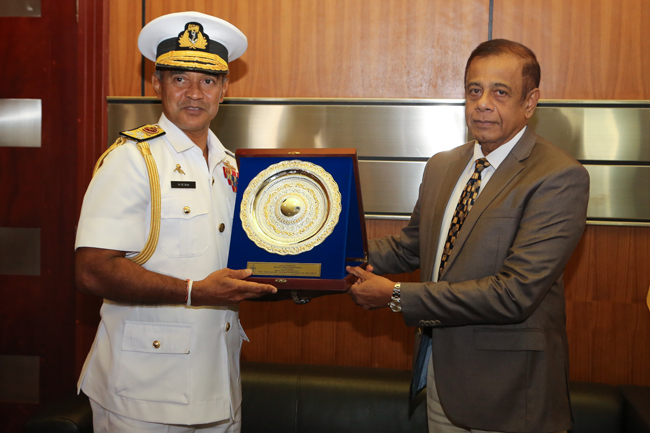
(608, 321)
(326, 48)
(588, 49)
(125, 61)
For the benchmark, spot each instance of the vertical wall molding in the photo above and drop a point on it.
(91, 136)
(93, 87)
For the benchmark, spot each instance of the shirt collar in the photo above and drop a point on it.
(216, 151)
(177, 138)
(181, 142)
(496, 157)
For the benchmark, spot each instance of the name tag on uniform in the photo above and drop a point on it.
(183, 184)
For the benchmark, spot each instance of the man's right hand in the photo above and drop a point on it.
(108, 274)
(226, 287)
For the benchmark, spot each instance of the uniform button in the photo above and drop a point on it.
(227, 326)
(222, 227)
(156, 344)
(212, 180)
(186, 209)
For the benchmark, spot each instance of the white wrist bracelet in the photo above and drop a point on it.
(189, 292)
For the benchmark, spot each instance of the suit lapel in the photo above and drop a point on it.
(454, 171)
(507, 171)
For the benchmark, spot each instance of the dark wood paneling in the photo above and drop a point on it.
(37, 312)
(91, 138)
(20, 188)
(588, 49)
(327, 48)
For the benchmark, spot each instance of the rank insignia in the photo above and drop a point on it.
(231, 175)
(143, 133)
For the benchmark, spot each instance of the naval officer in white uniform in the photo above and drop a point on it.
(153, 241)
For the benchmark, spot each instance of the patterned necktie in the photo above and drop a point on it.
(467, 198)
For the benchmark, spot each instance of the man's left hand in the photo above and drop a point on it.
(370, 291)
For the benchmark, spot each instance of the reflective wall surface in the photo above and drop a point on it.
(20, 122)
(394, 139)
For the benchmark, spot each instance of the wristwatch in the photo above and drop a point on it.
(395, 303)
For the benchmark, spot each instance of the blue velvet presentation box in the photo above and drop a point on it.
(347, 244)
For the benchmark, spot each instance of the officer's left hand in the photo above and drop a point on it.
(370, 291)
(227, 287)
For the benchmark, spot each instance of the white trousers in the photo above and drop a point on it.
(105, 421)
(437, 420)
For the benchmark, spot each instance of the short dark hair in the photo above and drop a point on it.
(530, 70)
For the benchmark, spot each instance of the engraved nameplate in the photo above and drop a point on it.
(285, 269)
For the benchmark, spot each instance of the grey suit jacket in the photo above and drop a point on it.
(498, 314)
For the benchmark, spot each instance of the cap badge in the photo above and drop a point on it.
(193, 37)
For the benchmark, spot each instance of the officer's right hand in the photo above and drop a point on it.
(226, 287)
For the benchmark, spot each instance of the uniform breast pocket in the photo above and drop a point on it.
(155, 362)
(184, 226)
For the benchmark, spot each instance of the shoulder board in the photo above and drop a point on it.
(143, 133)
(229, 153)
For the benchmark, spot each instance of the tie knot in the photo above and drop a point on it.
(481, 164)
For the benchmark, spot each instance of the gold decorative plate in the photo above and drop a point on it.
(290, 207)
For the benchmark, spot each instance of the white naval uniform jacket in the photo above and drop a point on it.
(193, 376)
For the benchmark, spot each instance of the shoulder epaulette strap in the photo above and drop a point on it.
(229, 153)
(144, 133)
(154, 187)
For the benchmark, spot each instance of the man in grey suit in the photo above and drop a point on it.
(495, 223)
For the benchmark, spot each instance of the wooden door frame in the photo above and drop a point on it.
(93, 18)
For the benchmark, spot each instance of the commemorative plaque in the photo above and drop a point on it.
(298, 218)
